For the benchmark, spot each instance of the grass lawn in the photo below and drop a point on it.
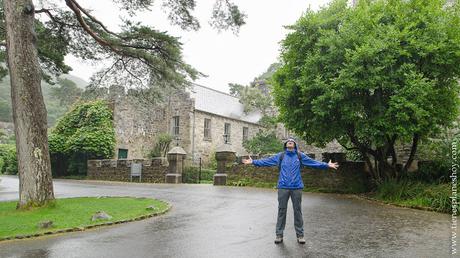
(73, 212)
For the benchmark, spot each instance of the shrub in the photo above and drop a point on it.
(163, 141)
(212, 161)
(263, 143)
(190, 174)
(416, 194)
(435, 171)
(9, 162)
(85, 132)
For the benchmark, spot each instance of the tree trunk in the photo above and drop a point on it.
(29, 111)
(413, 150)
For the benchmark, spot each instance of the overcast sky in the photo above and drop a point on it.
(224, 57)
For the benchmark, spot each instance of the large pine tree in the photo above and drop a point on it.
(140, 56)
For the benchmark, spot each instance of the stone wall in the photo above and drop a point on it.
(206, 147)
(136, 126)
(137, 122)
(350, 177)
(180, 104)
(153, 171)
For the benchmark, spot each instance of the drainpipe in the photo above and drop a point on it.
(193, 136)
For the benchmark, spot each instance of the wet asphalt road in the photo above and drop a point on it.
(209, 221)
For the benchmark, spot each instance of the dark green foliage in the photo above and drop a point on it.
(263, 143)
(8, 160)
(245, 181)
(163, 141)
(235, 89)
(190, 175)
(371, 76)
(436, 157)
(416, 194)
(85, 132)
(52, 46)
(226, 15)
(433, 171)
(212, 164)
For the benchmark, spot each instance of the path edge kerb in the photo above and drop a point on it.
(76, 229)
(382, 202)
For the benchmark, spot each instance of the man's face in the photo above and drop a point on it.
(290, 144)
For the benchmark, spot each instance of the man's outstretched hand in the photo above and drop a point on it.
(247, 161)
(333, 165)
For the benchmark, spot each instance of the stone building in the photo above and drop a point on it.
(199, 119)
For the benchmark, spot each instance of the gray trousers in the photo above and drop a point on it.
(283, 198)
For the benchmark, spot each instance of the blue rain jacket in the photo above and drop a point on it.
(289, 176)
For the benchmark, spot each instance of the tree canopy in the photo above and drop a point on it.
(137, 55)
(371, 75)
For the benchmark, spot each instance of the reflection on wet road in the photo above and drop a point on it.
(211, 221)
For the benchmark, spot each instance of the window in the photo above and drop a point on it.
(245, 133)
(122, 153)
(175, 125)
(207, 128)
(227, 131)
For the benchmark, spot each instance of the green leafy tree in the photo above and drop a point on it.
(236, 89)
(140, 56)
(372, 75)
(263, 143)
(258, 97)
(85, 132)
(161, 148)
(52, 46)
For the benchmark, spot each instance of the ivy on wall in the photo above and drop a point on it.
(85, 132)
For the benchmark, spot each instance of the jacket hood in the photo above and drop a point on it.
(290, 140)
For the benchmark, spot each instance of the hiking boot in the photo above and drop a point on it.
(301, 240)
(278, 239)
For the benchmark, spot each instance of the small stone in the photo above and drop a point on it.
(45, 224)
(151, 208)
(100, 215)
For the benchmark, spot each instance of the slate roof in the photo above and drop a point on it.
(221, 103)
